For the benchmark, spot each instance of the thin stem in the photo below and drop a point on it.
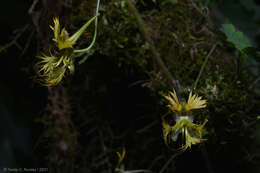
(95, 34)
(254, 83)
(203, 150)
(203, 66)
(148, 39)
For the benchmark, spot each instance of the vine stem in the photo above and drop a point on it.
(203, 65)
(148, 39)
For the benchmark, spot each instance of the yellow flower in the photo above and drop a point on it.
(61, 37)
(191, 133)
(52, 69)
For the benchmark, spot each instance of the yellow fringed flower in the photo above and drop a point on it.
(191, 133)
(52, 69)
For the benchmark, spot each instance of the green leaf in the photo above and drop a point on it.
(235, 37)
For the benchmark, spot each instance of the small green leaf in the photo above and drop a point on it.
(235, 37)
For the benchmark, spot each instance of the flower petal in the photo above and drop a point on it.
(174, 104)
(195, 102)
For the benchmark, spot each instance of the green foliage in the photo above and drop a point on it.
(237, 38)
(244, 15)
